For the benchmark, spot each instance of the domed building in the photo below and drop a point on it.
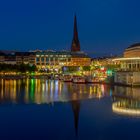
(132, 51)
(129, 72)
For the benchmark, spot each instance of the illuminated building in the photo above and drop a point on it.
(53, 59)
(104, 61)
(47, 59)
(131, 59)
(129, 71)
(2, 57)
(8, 57)
(17, 57)
(132, 51)
(103, 68)
(25, 58)
(75, 47)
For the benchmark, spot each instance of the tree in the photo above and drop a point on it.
(86, 68)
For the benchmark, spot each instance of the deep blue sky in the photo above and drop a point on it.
(105, 26)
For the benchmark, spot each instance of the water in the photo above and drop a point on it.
(50, 110)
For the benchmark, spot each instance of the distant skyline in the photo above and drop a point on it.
(104, 26)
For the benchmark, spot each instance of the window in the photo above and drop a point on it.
(42, 59)
(51, 59)
(47, 59)
(37, 59)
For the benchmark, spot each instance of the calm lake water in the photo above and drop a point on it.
(54, 110)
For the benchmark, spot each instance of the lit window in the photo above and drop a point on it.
(42, 59)
(37, 59)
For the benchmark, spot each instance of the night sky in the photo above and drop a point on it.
(105, 26)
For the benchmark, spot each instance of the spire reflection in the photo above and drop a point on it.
(76, 111)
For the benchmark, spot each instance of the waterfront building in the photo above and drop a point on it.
(105, 61)
(17, 58)
(8, 57)
(22, 57)
(131, 58)
(25, 58)
(47, 59)
(2, 57)
(57, 60)
(54, 60)
(103, 67)
(129, 71)
(132, 51)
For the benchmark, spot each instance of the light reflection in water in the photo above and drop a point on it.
(47, 91)
(41, 91)
(126, 101)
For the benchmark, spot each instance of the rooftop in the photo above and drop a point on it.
(134, 45)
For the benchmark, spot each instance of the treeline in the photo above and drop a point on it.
(17, 68)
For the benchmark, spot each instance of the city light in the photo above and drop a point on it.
(125, 111)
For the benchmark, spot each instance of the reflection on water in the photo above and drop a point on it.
(39, 92)
(126, 101)
(76, 110)
(47, 91)
(77, 119)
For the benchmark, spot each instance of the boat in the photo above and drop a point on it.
(67, 78)
(79, 79)
(91, 79)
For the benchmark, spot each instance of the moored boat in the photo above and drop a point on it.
(91, 79)
(67, 78)
(79, 79)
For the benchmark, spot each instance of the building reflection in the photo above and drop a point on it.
(126, 101)
(76, 110)
(40, 91)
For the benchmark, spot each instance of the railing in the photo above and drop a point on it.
(128, 70)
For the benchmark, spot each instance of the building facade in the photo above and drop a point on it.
(25, 58)
(18, 58)
(129, 70)
(132, 51)
(56, 60)
(47, 59)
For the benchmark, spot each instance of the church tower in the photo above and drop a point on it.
(75, 47)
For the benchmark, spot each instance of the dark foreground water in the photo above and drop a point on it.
(53, 110)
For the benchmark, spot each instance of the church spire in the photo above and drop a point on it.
(75, 29)
(75, 42)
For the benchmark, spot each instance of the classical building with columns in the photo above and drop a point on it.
(131, 58)
(129, 72)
